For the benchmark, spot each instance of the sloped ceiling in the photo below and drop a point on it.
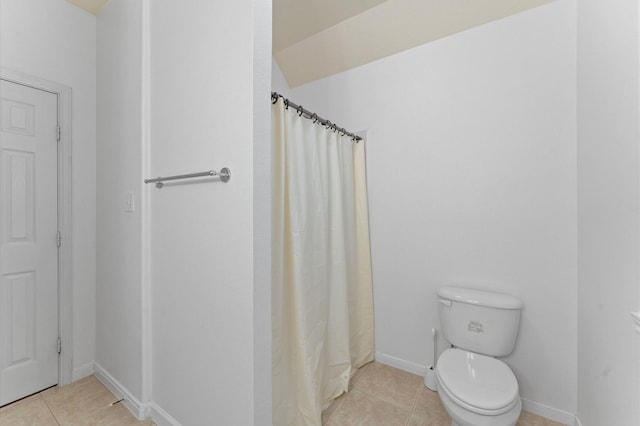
(91, 6)
(313, 39)
(295, 20)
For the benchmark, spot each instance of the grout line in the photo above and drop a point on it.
(49, 408)
(410, 410)
(413, 406)
(377, 398)
(86, 417)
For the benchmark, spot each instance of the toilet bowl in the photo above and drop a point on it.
(477, 390)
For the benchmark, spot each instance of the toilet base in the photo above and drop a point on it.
(463, 417)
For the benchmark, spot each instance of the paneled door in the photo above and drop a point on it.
(28, 241)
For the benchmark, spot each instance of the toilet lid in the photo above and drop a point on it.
(480, 383)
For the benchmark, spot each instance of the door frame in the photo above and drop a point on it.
(65, 282)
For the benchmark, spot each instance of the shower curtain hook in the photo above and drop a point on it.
(300, 110)
(314, 117)
(286, 104)
(274, 98)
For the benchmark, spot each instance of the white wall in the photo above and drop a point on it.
(262, 75)
(119, 160)
(608, 213)
(53, 40)
(205, 79)
(471, 158)
(279, 83)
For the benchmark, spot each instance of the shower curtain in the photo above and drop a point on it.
(322, 298)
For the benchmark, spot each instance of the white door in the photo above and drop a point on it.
(28, 243)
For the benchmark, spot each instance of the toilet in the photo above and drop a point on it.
(475, 388)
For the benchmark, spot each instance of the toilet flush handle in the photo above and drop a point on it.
(445, 302)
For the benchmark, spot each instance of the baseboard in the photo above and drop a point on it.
(549, 412)
(161, 417)
(401, 364)
(139, 410)
(82, 372)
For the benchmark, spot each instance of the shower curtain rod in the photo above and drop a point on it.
(313, 116)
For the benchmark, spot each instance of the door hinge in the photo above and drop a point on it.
(58, 133)
(59, 238)
(59, 346)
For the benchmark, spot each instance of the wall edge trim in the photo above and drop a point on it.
(137, 408)
(161, 417)
(83, 371)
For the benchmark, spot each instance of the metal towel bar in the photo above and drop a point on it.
(224, 173)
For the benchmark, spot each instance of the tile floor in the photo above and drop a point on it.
(380, 395)
(86, 402)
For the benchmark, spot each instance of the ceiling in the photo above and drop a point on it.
(295, 20)
(313, 39)
(91, 6)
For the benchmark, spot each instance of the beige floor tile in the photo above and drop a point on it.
(529, 419)
(331, 408)
(78, 400)
(360, 409)
(357, 373)
(32, 411)
(117, 415)
(388, 384)
(429, 410)
(416, 420)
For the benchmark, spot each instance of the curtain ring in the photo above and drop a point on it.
(343, 132)
(328, 125)
(300, 110)
(274, 98)
(286, 104)
(314, 117)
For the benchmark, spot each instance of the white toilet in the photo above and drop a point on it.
(475, 388)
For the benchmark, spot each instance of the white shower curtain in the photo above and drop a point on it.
(322, 299)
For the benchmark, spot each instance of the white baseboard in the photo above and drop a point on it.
(161, 417)
(401, 364)
(549, 412)
(82, 372)
(137, 408)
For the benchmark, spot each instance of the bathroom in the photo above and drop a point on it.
(504, 157)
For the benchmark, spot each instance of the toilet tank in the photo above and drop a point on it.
(479, 321)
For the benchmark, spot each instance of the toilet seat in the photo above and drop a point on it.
(478, 383)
